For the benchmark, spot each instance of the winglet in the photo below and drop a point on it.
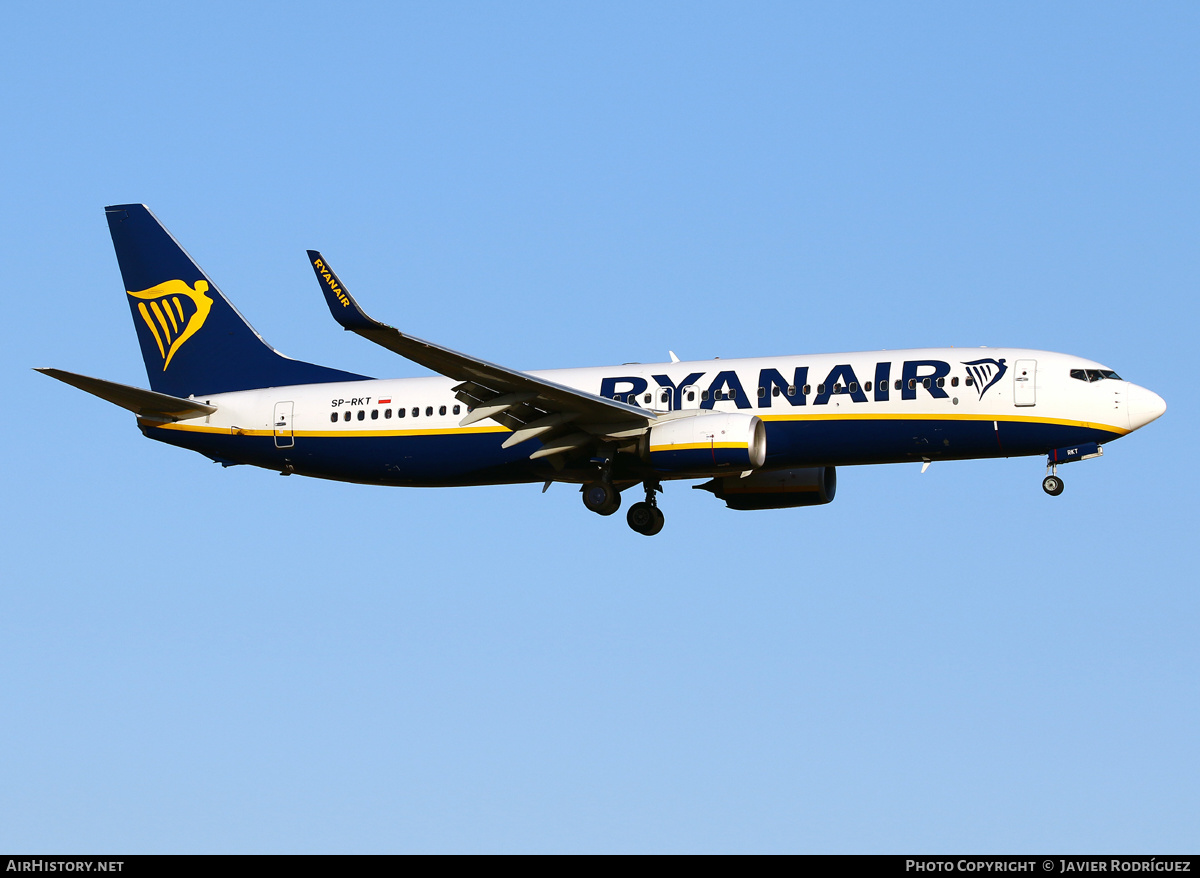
(341, 304)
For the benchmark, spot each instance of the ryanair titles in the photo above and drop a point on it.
(698, 390)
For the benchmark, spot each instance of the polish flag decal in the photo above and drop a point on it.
(384, 401)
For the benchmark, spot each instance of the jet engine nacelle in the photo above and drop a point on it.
(707, 443)
(778, 489)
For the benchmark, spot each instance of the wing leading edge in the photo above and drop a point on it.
(529, 406)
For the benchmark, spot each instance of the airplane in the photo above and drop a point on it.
(766, 433)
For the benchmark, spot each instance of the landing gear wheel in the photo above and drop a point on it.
(1052, 485)
(601, 497)
(645, 519)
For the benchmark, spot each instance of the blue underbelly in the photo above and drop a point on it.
(477, 458)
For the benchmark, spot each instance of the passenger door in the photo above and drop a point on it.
(1025, 382)
(283, 425)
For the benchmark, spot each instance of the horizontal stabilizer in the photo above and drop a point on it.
(145, 403)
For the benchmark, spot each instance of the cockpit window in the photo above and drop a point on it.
(1091, 375)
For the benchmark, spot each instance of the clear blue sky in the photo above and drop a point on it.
(198, 659)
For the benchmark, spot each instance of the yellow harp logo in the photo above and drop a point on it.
(174, 312)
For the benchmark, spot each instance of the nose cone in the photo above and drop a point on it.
(1144, 406)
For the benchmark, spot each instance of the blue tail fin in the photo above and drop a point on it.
(193, 340)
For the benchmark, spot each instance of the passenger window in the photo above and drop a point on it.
(691, 396)
(970, 382)
(854, 387)
(954, 381)
(941, 382)
(703, 394)
(442, 410)
(899, 384)
(457, 409)
(429, 411)
(374, 414)
(387, 414)
(666, 396)
(762, 392)
(837, 388)
(647, 398)
(416, 411)
(401, 412)
(333, 417)
(912, 383)
(732, 393)
(925, 383)
(775, 391)
(867, 387)
(820, 388)
(807, 389)
(362, 414)
(346, 416)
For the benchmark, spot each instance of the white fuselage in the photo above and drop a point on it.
(823, 409)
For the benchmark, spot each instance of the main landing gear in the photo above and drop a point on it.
(601, 497)
(646, 518)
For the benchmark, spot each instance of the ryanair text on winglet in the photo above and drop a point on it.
(332, 282)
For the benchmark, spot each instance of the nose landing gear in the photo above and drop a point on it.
(646, 518)
(1052, 484)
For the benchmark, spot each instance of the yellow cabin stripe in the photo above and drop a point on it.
(457, 431)
(328, 434)
(896, 416)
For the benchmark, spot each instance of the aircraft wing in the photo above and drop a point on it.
(524, 403)
(144, 403)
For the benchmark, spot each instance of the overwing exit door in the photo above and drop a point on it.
(661, 400)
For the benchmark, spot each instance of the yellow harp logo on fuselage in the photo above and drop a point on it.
(174, 312)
